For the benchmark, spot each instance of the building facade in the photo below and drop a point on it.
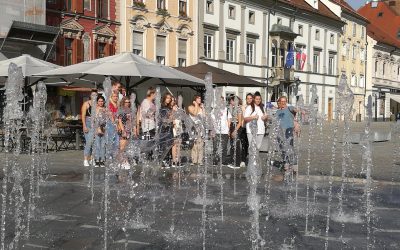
(254, 39)
(87, 29)
(353, 56)
(159, 30)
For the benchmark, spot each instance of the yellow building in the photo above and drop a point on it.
(353, 57)
(159, 30)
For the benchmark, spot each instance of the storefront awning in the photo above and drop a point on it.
(24, 36)
(395, 98)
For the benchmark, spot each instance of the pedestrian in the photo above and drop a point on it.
(166, 129)
(196, 113)
(147, 115)
(86, 114)
(125, 128)
(112, 126)
(116, 87)
(255, 113)
(222, 122)
(243, 133)
(286, 116)
(100, 123)
(235, 125)
(177, 132)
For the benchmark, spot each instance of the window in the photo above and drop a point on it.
(353, 81)
(101, 52)
(102, 9)
(72, 5)
(398, 34)
(252, 17)
(208, 46)
(231, 12)
(331, 64)
(182, 8)
(230, 50)
(161, 5)
(160, 49)
(344, 49)
(68, 51)
(383, 68)
(282, 55)
(354, 52)
(317, 35)
(344, 28)
(274, 51)
(362, 55)
(332, 39)
(316, 61)
(291, 24)
(209, 6)
(362, 32)
(182, 53)
(279, 21)
(137, 38)
(86, 4)
(354, 29)
(361, 83)
(380, 14)
(300, 28)
(250, 53)
(376, 66)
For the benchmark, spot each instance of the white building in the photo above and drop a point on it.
(252, 38)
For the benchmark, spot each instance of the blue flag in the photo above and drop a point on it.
(290, 58)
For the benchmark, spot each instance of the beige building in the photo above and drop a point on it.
(353, 57)
(159, 30)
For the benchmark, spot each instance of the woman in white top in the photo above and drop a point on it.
(255, 113)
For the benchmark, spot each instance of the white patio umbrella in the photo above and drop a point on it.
(2, 57)
(127, 68)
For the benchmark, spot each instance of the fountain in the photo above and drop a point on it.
(326, 205)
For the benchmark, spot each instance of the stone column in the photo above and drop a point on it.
(200, 29)
(221, 50)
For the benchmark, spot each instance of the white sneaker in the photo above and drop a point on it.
(86, 163)
(92, 162)
(97, 165)
(242, 164)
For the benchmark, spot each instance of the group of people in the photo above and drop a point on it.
(168, 125)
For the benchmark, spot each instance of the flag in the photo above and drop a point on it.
(301, 57)
(290, 58)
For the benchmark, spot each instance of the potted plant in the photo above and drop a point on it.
(162, 12)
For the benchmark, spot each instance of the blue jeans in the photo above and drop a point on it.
(112, 139)
(88, 138)
(100, 149)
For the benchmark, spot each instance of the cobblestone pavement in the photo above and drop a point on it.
(166, 212)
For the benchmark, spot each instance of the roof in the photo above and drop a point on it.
(220, 77)
(322, 10)
(279, 28)
(381, 36)
(346, 7)
(382, 16)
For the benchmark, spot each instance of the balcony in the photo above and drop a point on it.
(282, 74)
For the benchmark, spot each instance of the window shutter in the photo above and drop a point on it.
(160, 46)
(79, 51)
(138, 41)
(182, 49)
(96, 49)
(60, 51)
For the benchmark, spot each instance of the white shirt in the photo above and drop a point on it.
(260, 123)
(148, 111)
(221, 126)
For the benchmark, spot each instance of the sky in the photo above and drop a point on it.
(356, 3)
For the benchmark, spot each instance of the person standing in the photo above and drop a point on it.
(234, 128)
(124, 128)
(222, 123)
(147, 115)
(177, 132)
(243, 133)
(254, 113)
(112, 129)
(86, 114)
(100, 123)
(166, 129)
(196, 112)
(286, 116)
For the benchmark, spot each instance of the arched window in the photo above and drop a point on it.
(282, 54)
(383, 68)
(274, 50)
